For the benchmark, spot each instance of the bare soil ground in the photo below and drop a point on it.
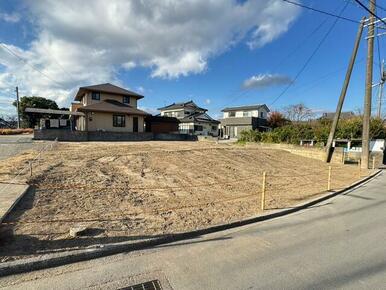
(137, 190)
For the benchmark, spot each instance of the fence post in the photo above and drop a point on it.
(329, 179)
(30, 168)
(373, 162)
(263, 191)
(359, 167)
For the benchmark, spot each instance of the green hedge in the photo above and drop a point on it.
(317, 130)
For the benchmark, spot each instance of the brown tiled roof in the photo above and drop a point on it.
(112, 106)
(106, 88)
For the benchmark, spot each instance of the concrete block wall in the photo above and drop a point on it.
(118, 136)
(62, 135)
(174, 137)
(310, 152)
(79, 136)
(356, 156)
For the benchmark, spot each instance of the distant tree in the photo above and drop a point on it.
(277, 119)
(377, 128)
(298, 113)
(29, 120)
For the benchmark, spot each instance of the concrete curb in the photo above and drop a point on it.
(15, 202)
(55, 260)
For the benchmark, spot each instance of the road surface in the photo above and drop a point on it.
(11, 145)
(340, 243)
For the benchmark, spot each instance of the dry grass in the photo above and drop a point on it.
(16, 131)
(134, 190)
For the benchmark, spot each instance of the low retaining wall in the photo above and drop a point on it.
(62, 135)
(207, 138)
(174, 137)
(310, 152)
(79, 136)
(118, 136)
(356, 156)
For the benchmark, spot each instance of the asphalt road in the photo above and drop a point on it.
(11, 145)
(338, 244)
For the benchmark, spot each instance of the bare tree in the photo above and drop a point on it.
(298, 113)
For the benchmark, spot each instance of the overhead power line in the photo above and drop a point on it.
(243, 91)
(321, 11)
(10, 51)
(310, 57)
(369, 11)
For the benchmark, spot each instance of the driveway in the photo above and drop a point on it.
(338, 244)
(11, 145)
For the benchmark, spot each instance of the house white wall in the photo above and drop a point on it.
(177, 113)
(207, 128)
(261, 113)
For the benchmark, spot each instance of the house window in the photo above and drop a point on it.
(214, 128)
(261, 114)
(198, 128)
(118, 120)
(246, 114)
(96, 96)
(232, 114)
(126, 100)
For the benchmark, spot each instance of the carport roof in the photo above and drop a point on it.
(52, 112)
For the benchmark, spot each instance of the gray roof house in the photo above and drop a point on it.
(343, 115)
(193, 119)
(237, 119)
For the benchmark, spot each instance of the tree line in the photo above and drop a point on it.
(30, 120)
(297, 122)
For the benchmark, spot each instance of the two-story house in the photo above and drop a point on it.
(193, 119)
(237, 119)
(109, 108)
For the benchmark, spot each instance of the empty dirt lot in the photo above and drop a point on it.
(137, 190)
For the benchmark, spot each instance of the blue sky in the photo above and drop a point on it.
(194, 55)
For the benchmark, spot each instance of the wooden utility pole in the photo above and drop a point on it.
(368, 91)
(17, 107)
(263, 190)
(343, 94)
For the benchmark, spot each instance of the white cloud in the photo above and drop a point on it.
(12, 18)
(207, 101)
(149, 110)
(86, 42)
(265, 80)
(140, 89)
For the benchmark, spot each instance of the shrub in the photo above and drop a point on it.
(250, 136)
(317, 130)
(15, 131)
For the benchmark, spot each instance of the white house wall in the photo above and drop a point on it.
(251, 113)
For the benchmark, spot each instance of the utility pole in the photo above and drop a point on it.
(368, 91)
(343, 93)
(380, 91)
(17, 107)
